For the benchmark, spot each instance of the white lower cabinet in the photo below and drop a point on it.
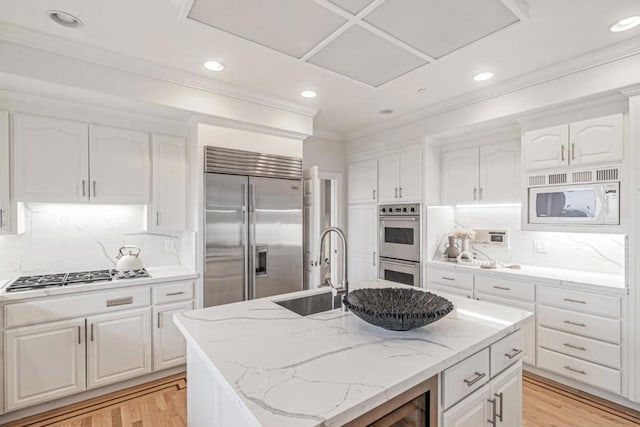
(44, 362)
(118, 347)
(169, 347)
(497, 403)
(363, 242)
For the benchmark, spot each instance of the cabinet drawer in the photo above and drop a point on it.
(506, 352)
(580, 324)
(449, 290)
(173, 292)
(505, 288)
(601, 305)
(580, 370)
(580, 347)
(57, 308)
(451, 278)
(465, 377)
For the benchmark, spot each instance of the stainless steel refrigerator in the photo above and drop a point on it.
(253, 233)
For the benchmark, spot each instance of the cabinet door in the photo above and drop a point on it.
(119, 160)
(44, 362)
(363, 181)
(363, 241)
(596, 140)
(460, 176)
(51, 160)
(546, 148)
(389, 174)
(4, 174)
(169, 201)
(363, 267)
(118, 347)
(473, 411)
(506, 389)
(500, 173)
(169, 347)
(410, 189)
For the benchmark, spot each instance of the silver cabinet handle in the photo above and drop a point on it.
(562, 152)
(577, 371)
(502, 288)
(513, 354)
(374, 258)
(1, 218)
(401, 192)
(157, 218)
(476, 377)
(92, 332)
(84, 188)
(159, 320)
(574, 300)
(576, 347)
(500, 396)
(573, 151)
(569, 322)
(94, 189)
(494, 413)
(374, 194)
(170, 294)
(475, 193)
(480, 194)
(447, 278)
(79, 337)
(396, 192)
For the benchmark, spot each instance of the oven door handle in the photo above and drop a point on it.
(399, 263)
(398, 218)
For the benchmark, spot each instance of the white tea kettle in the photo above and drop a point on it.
(128, 258)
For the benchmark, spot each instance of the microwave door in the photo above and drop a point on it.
(566, 205)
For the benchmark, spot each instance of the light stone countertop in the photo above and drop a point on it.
(157, 275)
(586, 280)
(283, 369)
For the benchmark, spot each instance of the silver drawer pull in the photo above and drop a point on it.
(574, 346)
(170, 294)
(448, 278)
(574, 300)
(569, 322)
(513, 354)
(502, 288)
(569, 368)
(477, 377)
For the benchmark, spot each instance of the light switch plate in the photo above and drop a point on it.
(541, 246)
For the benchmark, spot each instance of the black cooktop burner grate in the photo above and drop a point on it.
(26, 283)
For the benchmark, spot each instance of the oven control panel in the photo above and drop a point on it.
(400, 210)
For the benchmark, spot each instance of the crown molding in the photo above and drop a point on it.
(114, 60)
(328, 135)
(630, 91)
(196, 119)
(609, 54)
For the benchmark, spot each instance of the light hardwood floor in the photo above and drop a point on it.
(163, 404)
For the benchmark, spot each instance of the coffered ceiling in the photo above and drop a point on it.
(360, 56)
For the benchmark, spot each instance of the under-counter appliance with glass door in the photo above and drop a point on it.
(399, 243)
(253, 225)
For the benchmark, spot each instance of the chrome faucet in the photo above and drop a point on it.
(344, 286)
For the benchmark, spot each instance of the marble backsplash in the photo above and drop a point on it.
(599, 253)
(74, 237)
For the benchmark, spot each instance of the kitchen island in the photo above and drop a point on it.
(256, 363)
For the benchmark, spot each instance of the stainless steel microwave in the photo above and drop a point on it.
(576, 204)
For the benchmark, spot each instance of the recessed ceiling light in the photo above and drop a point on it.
(386, 111)
(214, 65)
(481, 77)
(65, 19)
(308, 94)
(625, 24)
(422, 90)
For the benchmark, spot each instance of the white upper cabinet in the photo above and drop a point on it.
(401, 177)
(546, 148)
(363, 181)
(460, 175)
(591, 141)
(169, 199)
(119, 160)
(500, 173)
(596, 140)
(5, 195)
(51, 159)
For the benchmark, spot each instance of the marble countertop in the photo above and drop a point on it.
(546, 275)
(329, 368)
(157, 275)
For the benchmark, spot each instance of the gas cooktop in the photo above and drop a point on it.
(26, 283)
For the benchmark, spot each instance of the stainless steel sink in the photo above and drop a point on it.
(312, 304)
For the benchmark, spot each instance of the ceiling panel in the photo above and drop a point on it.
(365, 57)
(353, 6)
(437, 27)
(290, 26)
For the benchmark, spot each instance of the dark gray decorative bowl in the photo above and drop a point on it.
(397, 309)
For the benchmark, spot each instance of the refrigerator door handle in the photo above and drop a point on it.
(245, 238)
(252, 241)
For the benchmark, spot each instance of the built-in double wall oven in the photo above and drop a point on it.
(399, 244)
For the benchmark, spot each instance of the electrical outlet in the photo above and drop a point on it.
(170, 246)
(541, 246)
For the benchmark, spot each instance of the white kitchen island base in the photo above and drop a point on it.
(256, 363)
